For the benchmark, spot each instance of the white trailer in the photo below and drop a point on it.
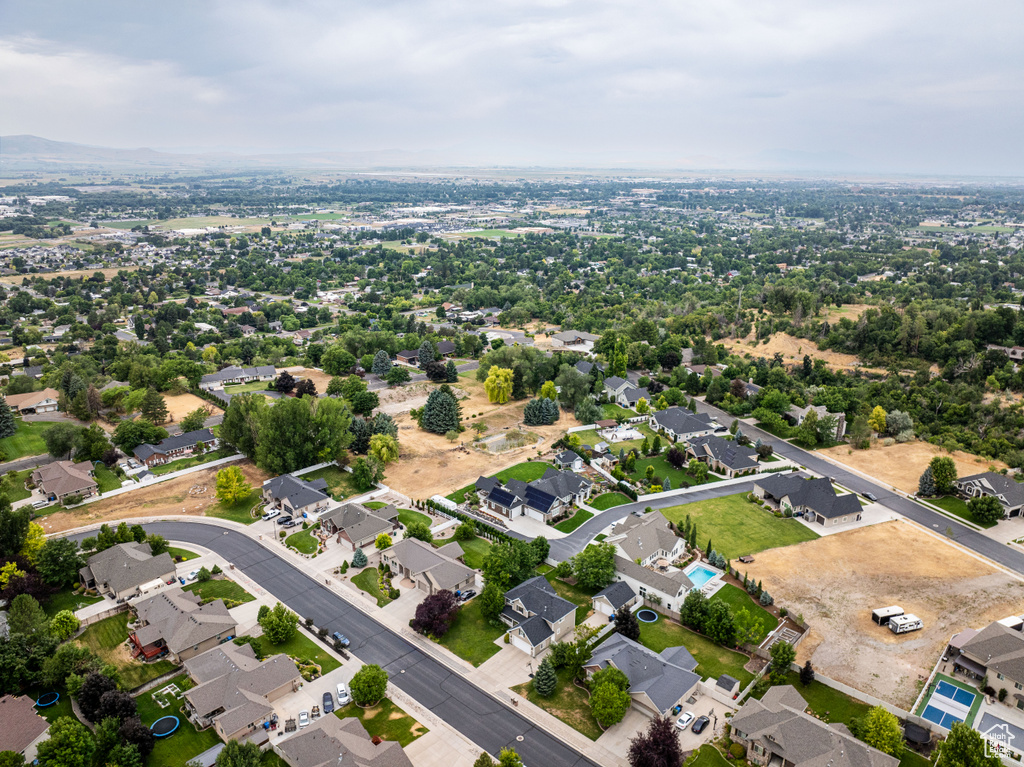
(883, 615)
(901, 624)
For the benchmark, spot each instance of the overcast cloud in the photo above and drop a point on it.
(908, 86)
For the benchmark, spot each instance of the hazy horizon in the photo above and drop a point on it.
(872, 87)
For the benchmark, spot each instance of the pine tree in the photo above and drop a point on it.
(8, 425)
(359, 558)
(759, 589)
(153, 407)
(807, 674)
(708, 550)
(426, 353)
(545, 681)
(926, 485)
(451, 372)
(441, 412)
(381, 363)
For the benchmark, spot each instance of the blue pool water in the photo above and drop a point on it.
(700, 575)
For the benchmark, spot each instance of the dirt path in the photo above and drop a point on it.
(835, 581)
(170, 497)
(902, 465)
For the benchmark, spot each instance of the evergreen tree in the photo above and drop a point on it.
(807, 674)
(451, 372)
(8, 425)
(153, 407)
(441, 412)
(627, 624)
(545, 681)
(426, 353)
(361, 432)
(381, 364)
(359, 558)
(926, 485)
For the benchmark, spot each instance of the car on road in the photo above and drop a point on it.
(271, 514)
(285, 519)
(193, 575)
(684, 721)
(328, 702)
(303, 719)
(343, 696)
(871, 497)
(700, 724)
(337, 636)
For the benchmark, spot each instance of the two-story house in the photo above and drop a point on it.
(126, 570)
(645, 549)
(173, 623)
(296, 496)
(996, 652)
(543, 499)
(537, 616)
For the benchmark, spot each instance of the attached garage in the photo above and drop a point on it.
(520, 643)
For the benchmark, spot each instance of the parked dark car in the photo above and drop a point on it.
(467, 595)
(284, 520)
(700, 724)
(339, 637)
(289, 523)
(871, 497)
(328, 703)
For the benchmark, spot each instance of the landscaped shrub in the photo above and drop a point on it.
(322, 632)
(737, 751)
(216, 570)
(766, 599)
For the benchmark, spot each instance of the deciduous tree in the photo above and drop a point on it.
(944, 473)
(232, 485)
(657, 746)
(369, 685)
(434, 615)
(882, 730)
(498, 385)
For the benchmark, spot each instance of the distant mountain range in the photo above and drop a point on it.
(32, 153)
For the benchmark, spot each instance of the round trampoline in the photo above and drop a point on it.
(916, 734)
(48, 699)
(646, 616)
(164, 726)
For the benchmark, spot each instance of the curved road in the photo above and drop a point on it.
(479, 716)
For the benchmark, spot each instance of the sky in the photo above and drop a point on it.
(911, 86)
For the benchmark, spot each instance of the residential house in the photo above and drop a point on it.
(32, 402)
(815, 498)
(723, 456)
(445, 348)
(681, 424)
(247, 330)
(334, 742)
(777, 730)
(587, 368)
(574, 341)
(63, 479)
(646, 548)
(431, 569)
(23, 729)
(358, 526)
(618, 596)
(623, 393)
(567, 460)
(174, 623)
(234, 691)
(543, 499)
(537, 616)
(234, 375)
(996, 653)
(657, 681)
(126, 570)
(632, 396)
(1006, 490)
(178, 446)
(700, 370)
(296, 496)
(796, 415)
(408, 357)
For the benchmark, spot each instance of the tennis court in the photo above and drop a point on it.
(948, 704)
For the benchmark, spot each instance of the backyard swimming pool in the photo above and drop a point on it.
(700, 575)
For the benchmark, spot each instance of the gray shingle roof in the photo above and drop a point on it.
(177, 617)
(1009, 491)
(679, 420)
(164, 446)
(126, 565)
(724, 451)
(232, 372)
(662, 680)
(668, 583)
(998, 648)
(540, 598)
(436, 565)
(334, 742)
(618, 594)
(357, 521)
(297, 492)
(816, 494)
(640, 537)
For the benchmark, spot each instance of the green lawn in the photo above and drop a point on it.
(665, 470)
(192, 460)
(105, 478)
(303, 542)
(105, 639)
(958, 507)
(576, 594)
(471, 637)
(185, 554)
(408, 516)
(238, 511)
(913, 759)
(827, 703)
(386, 721)
(28, 440)
(305, 649)
(569, 703)
(15, 485)
(577, 519)
(367, 581)
(244, 388)
(738, 599)
(785, 431)
(475, 549)
(526, 471)
(186, 743)
(608, 500)
(712, 660)
(738, 527)
(220, 589)
(708, 756)
(52, 713)
(66, 599)
(591, 437)
(339, 482)
(611, 410)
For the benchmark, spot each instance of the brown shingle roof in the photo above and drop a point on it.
(21, 724)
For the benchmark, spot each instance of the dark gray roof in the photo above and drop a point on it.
(486, 484)
(816, 494)
(635, 395)
(725, 451)
(178, 441)
(407, 353)
(561, 483)
(614, 382)
(539, 598)
(504, 498)
(536, 629)
(298, 492)
(445, 347)
(618, 594)
(662, 680)
(726, 682)
(1009, 491)
(566, 457)
(679, 420)
(234, 371)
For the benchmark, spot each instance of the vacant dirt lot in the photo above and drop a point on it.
(835, 582)
(793, 351)
(171, 497)
(320, 378)
(902, 465)
(180, 405)
(431, 464)
(17, 279)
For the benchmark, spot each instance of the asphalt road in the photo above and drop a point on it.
(479, 716)
(26, 463)
(965, 536)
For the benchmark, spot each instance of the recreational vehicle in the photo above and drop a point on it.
(901, 624)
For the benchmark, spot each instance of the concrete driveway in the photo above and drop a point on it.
(311, 694)
(616, 739)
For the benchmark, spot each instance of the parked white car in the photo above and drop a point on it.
(303, 719)
(684, 721)
(343, 695)
(271, 514)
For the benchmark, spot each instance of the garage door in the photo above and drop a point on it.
(521, 643)
(604, 608)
